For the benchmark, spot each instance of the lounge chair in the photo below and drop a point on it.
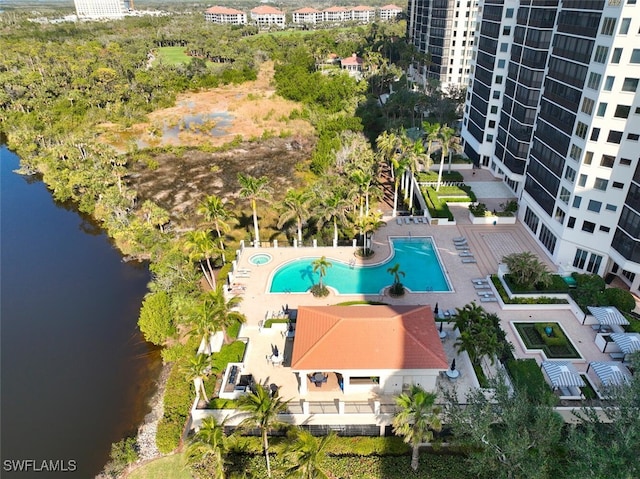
(482, 286)
(460, 238)
(466, 254)
(407, 220)
(462, 247)
(399, 221)
(485, 294)
(479, 281)
(468, 260)
(489, 299)
(452, 312)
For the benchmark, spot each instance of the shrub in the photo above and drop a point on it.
(557, 337)
(526, 269)
(155, 320)
(319, 291)
(177, 403)
(478, 209)
(621, 299)
(528, 379)
(396, 289)
(123, 453)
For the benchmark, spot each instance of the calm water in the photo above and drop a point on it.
(76, 374)
(417, 257)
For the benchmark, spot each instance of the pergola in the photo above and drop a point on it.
(562, 375)
(611, 373)
(608, 315)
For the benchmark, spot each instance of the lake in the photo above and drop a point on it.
(76, 372)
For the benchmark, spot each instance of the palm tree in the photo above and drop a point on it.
(416, 156)
(320, 266)
(431, 131)
(387, 144)
(362, 180)
(416, 420)
(201, 248)
(198, 370)
(334, 208)
(398, 167)
(478, 333)
(263, 409)
(208, 446)
(394, 270)
(223, 312)
(304, 454)
(254, 189)
(447, 140)
(203, 323)
(295, 206)
(526, 269)
(214, 211)
(368, 224)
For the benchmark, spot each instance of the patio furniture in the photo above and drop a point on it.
(452, 312)
(466, 254)
(468, 260)
(461, 247)
(484, 293)
(489, 299)
(482, 286)
(479, 281)
(277, 360)
(562, 374)
(460, 238)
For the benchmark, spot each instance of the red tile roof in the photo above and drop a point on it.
(307, 10)
(362, 8)
(391, 7)
(335, 9)
(352, 60)
(224, 11)
(367, 337)
(266, 10)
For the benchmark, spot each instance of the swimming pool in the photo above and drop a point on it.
(416, 255)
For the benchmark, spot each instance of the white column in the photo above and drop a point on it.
(340, 406)
(305, 407)
(315, 243)
(275, 243)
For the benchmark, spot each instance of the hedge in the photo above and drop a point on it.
(557, 337)
(177, 403)
(506, 300)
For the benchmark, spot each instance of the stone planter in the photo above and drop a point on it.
(492, 220)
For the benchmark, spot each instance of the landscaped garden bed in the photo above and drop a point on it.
(495, 279)
(528, 377)
(555, 344)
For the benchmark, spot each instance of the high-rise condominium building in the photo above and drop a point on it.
(553, 108)
(444, 29)
(102, 8)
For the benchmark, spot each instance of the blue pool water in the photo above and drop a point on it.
(417, 257)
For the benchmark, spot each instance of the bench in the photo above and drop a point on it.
(233, 374)
(617, 356)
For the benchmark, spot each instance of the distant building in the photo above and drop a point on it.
(336, 14)
(225, 15)
(307, 15)
(353, 65)
(389, 12)
(265, 17)
(97, 9)
(363, 14)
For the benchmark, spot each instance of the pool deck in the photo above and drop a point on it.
(488, 244)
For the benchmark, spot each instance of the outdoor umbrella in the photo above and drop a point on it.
(453, 364)
(435, 310)
(440, 326)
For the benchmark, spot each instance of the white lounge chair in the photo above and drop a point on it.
(399, 221)
(489, 299)
(460, 238)
(407, 220)
(479, 281)
(482, 286)
(458, 246)
(468, 260)
(485, 294)
(466, 254)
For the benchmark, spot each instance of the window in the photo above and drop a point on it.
(595, 133)
(608, 26)
(496, 95)
(605, 229)
(559, 216)
(501, 63)
(489, 138)
(593, 266)
(630, 84)
(504, 47)
(611, 207)
(635, 56)
(581, 130)
(576, 201)
(602, 108)
(547, 238)
(617, 184)
(601, 54)
(608, 83)
(494, 109)
(575, 152)
(506, 30)
(564, 195)
(587, 105)
(601, 184)
(624, 26)
(633, 137)
(617, 54)
(492, 123)
(531, 220)
(572, 222)
(594, 206)
(594, 80)
(607, 161)
(588, 226)
(499, 79)
(509, 13)
(580, 258)
(570, 175)
(582, 181)
(625, 162)
(614, 137)
(588, 158)
(622, 111)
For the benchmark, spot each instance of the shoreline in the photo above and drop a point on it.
(146, 435)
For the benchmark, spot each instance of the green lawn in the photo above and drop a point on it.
(169, 467)
(173, 55)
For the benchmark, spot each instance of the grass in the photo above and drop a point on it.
(556, 347)
(168, 467)
(173, 55)
(588, 391)
(528, 378)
